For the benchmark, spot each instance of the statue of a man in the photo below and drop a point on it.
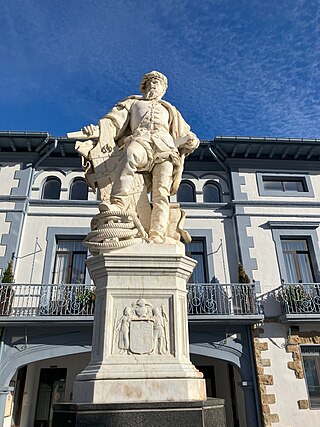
(153, 139)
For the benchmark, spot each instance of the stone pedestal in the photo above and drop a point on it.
(140, 373)
(140, 349)
(162, 414)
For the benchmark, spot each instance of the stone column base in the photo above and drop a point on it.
(140, 390)
(140, 347)
(209, 413)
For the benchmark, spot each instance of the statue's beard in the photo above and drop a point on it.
(154, 94)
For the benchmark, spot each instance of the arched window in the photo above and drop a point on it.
(211, 193)
(51, 188)
(186, 192)
(79, 190)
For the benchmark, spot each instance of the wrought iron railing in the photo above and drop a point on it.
(300, 298)
(222, 299)
(21, 300)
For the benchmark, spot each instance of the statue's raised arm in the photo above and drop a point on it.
(136, 149)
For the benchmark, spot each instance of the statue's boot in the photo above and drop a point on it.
(154, 237)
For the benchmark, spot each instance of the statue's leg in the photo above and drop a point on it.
(161, 183)
(133, 157)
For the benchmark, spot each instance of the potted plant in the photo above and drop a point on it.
(244, 296)
(242, 275)
(294, 297)
(6, 290)
(86, 299)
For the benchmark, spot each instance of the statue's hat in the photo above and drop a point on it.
(153, 75)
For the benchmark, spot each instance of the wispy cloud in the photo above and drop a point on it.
(245, 67)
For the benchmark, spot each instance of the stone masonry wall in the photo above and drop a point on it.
(294, 341)
(264, 380)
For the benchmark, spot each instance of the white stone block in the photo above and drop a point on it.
(140, 349)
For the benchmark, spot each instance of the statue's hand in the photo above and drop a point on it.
(90, 130)
(189, 146)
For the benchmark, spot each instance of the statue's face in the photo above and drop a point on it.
(153, 89)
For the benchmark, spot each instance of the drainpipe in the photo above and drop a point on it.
(254, 376)
(226, 167)
(248, 328)
(50, 150)
(218, 160)
(15, 254)
(45, 142)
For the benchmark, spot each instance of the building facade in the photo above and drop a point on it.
(253, 201)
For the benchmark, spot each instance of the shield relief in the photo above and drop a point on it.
(141, 336)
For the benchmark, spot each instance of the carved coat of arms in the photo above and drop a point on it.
(142, 329)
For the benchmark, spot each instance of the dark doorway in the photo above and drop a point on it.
(51, 390)
(208, 373)
(18, 396)
(233, 396)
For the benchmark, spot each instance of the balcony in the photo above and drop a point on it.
(223, 303)
(300, 302)
(74, 302)
(20, 302)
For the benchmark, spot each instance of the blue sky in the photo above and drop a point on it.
(235, 67)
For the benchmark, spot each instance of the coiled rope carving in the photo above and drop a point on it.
(114, 229)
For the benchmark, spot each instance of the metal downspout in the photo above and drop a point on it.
(26, 204)
(249, 332)
(227, 169)
(24, 213)
(255, 385)
(37, 163)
